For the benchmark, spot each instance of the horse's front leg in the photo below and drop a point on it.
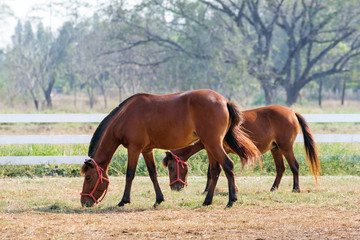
(150, 164)
(133, 157)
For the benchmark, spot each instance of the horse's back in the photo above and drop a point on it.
(270, 124)
(171, 121)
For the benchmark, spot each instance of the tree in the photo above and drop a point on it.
(56, 56)
(22, 59)
(313, 30)
(256, 21)
(305, 32)
(182, 44)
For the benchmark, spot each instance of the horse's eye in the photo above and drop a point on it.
(87, 178)
(171, 168)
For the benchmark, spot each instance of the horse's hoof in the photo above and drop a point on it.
(296, 190)
(155, 205)
(206, 203)
(273, 189)
(122, 203)
(230, 204)
(160, 200)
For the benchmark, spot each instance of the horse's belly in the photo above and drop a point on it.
(173, 140)
(264, 144)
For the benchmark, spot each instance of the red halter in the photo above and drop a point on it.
(100, 179)
(178, 162)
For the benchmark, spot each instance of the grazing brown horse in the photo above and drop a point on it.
(271, 128)
(145, 121)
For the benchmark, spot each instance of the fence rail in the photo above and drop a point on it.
(95, 118)
(81, 139)
(51, 118)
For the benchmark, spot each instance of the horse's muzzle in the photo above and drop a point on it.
(86, 201)
(177, 186)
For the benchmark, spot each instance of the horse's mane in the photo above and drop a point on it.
(94, 143)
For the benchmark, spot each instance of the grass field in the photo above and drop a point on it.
(49, 208)
(36, 203)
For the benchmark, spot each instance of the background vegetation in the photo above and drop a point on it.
(254, 52)
(251, 51)
(336, 159)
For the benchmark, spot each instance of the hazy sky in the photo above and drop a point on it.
(22, 10)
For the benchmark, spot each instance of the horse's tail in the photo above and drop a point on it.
(237, 139)
(310, 147)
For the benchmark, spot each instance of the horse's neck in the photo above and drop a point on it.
(105, 151)
(187, 152)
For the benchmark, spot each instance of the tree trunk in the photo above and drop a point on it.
(48, 91)
(75, 96)
(320, 91)
(268, 91)
(91, 97)
(48, 99)
(105, 100)
(75, 89)
(292, 95)
(343, 91)
(36, 102)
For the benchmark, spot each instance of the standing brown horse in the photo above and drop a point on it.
(271, 128)
(144, 122)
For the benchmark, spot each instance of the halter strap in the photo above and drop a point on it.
(100, 179)
(178, 162)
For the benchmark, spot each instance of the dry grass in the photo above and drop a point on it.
(48, 129)
(49, 208)
(85, 128)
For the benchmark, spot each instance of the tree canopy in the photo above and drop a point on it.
(284, 48)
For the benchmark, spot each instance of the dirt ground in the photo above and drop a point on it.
(49, 208)
(202, 223)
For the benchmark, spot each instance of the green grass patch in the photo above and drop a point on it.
(335, 158)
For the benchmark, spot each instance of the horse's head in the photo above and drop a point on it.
(178, 171)
(95, 184)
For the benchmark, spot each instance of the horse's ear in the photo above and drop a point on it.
(166, 159)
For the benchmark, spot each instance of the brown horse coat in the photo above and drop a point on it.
(271, 128)
(145, 121)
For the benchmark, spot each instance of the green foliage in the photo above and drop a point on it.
(119, 163)
(43, 150)
(40, 171)
(335, 159)
(187, 45)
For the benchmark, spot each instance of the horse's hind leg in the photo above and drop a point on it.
(207, 180)
(294, 166)
(280, 167)
(150, 164)
(218, 156)
(133, 157)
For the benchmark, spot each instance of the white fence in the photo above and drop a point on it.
(95, 118)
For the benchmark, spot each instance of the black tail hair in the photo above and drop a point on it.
(237, 139)
(310, 147)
